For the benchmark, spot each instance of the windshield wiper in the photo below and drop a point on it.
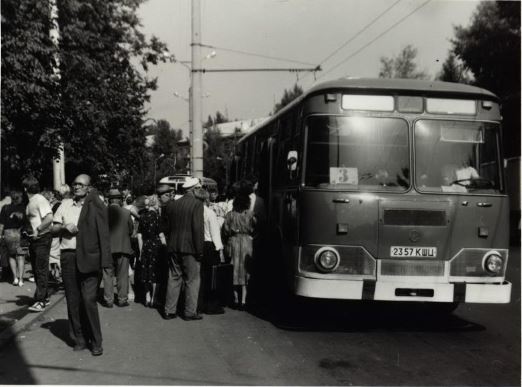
(474, 183)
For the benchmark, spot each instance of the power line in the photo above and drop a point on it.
(360, 31)
(257, 55)
(235, 70)
(376, 38)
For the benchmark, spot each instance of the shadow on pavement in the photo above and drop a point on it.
(349, 316)
(60, 329)
(13, 369)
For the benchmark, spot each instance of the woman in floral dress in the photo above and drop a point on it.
(149, 240)
(237, 229)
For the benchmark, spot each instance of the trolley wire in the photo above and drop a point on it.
(357, 34)
(257, 55)
(375, 39)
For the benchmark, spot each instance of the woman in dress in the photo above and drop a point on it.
(237, 229)
(149, 240)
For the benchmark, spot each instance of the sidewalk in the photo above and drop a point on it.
(14, 304)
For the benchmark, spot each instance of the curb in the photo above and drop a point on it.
(21, 325)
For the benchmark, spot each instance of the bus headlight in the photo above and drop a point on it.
(327, 259)
(493, 262)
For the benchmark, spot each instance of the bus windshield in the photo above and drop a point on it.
(457, 156)
(359, 153)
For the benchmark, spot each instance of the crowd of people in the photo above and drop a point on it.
(183, 253)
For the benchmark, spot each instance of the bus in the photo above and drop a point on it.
(385, 189)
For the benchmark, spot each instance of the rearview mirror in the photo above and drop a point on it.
(291, 160)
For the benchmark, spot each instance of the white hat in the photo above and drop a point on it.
(191, 182)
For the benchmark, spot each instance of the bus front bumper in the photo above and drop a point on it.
(403, 291)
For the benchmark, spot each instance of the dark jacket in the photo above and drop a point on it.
(93, 250)
(121, 227)
(185, 227)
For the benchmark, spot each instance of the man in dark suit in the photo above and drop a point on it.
(83, 225)
(185, 236)
(121, 227)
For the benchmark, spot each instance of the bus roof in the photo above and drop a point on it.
(416, 86)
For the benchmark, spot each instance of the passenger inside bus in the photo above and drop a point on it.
(456, 178)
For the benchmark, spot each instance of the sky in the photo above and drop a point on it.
(302, 34)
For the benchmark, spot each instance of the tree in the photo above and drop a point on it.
(453, 71)
(30, 94)
(165, 149)
(219, 118)
(490, 48)
(215, 152)
(97, 107)
(288, 96)
(402, 66)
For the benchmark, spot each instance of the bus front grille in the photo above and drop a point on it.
(412, 268)
(414, 217)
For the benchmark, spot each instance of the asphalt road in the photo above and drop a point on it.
(336, 343)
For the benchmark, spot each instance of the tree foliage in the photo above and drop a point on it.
(219, 118)
(216, 152)
(30, 94)
(490, 48)
(97, 107)
(402, 66)
(166, 151)
(288, 96)
(453, 71)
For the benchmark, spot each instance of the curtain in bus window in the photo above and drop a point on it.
(457, 156)
(362, 153)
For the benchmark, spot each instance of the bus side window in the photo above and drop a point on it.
(289, 142)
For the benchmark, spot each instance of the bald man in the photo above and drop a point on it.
(82, 223)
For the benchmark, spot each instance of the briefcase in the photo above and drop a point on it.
(221, 282)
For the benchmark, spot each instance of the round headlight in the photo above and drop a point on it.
(327, 260)
(493, 262)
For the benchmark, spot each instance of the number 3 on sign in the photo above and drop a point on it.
(343, 176)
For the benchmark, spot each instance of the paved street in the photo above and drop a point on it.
(336, 344)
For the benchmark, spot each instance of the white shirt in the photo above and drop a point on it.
(466, 173)
(37, 209)
(212, 229)
(253, 197)
(68, 212)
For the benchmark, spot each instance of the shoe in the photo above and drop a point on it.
(193, 317)
(15, 282)
(79, 347)
(31, 279)
(20, 283)
(97, 351)
(38, 306)
(47, 301)
(169, 316)
(106, 304)
(123, 304)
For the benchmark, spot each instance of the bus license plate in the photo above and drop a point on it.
(417, 252)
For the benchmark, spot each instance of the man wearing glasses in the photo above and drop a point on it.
(82, 223)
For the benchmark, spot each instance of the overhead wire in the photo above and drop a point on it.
(358, 33)
(375, 39)
(256, 54)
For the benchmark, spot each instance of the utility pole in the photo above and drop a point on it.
(196, 140)
(54, 34)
